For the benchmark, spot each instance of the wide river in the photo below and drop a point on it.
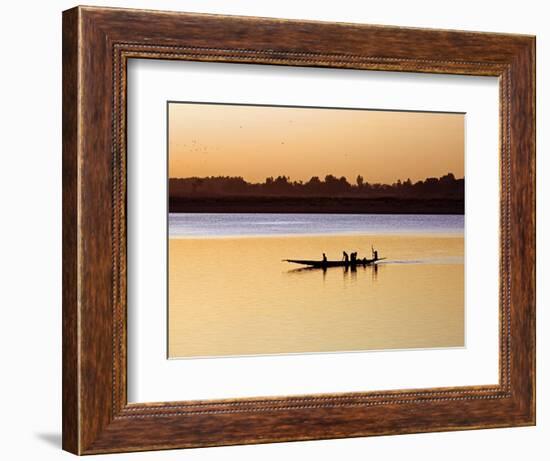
(231, 293)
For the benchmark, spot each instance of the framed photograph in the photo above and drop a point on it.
(280, 230)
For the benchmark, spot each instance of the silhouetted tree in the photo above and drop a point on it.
(447, 186)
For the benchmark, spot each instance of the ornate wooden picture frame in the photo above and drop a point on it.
(97, 44)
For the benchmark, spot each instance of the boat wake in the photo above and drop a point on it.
(445, 260)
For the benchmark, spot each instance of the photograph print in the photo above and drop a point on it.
(298, 230)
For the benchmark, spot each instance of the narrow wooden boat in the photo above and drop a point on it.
(322, 264)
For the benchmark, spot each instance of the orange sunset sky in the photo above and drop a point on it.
(258, 142)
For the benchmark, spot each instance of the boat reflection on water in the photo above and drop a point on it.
(348, 271)
(349, 264)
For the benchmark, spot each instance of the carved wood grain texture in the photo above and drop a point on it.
(70, 385)
(97, 43)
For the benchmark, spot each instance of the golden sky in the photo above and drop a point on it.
(257, 142)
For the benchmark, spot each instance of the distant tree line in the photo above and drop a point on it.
(446, 186)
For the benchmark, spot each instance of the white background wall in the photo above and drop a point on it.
(30, 243)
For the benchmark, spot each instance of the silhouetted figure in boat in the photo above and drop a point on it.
(324, 258)
(345, 257)
(374, 253)
(353, 258)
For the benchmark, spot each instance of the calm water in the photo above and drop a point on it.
(226, 224)
(233, 294)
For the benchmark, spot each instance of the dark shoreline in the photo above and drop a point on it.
(333, 205)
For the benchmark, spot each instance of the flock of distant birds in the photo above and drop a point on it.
(197, 147)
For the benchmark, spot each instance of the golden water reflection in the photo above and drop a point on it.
(235, 296)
